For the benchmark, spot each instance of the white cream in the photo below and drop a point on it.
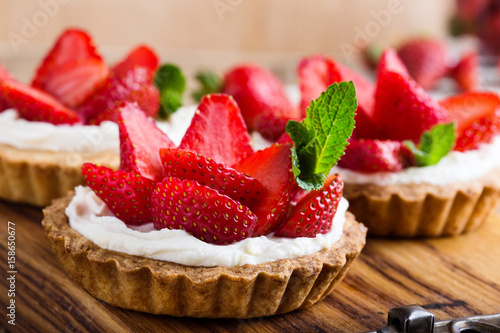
(24, 134)
(454, 167)
(89, 216)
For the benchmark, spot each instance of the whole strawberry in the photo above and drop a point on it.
(466, 72)
(370, 156)
(425, 59)
(261, 97)
(4, 75)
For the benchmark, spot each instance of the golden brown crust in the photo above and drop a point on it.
(424, 210)
(162, 287)
(36, 177)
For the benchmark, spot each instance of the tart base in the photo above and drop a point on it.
(423, 210)
(161, 287)
(36, 177)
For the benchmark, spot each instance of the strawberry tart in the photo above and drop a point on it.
(415, 167)
(210, 227)
(65, 116)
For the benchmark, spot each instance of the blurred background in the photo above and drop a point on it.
(216, 34)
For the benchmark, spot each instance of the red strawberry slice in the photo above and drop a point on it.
(261, 97)
(466, 72)
(33, 104)
(4, 75)
(184, 164)
(141, 56)
(477, 116)
(71, 83)
(316, 73)
(127, 195)
(313, 214)
(273, 168)
(72, 69)
(370, 156)
(201, 211)
(135, 86)
(391, 62)
(425, 59)
(403, 110)
(140, 143)
(218, 131)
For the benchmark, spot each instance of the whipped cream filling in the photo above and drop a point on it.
(89, 216)
(86, 139)
(454, 167)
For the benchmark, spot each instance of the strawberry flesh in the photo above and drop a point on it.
(72, 69)
(127, 195)
(218, 131)
(201, 211)
(4, 75)
(403, 110)
(273, 168)
(314, 213)
(264, 105)
(36, 105)
(135, 86)
(368, 156)
(477, 117)
(140, 143)
(142, 56)
(184, 164)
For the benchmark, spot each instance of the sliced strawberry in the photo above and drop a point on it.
(141, 56)
(273, 168)
(261, 97)
(403, 110)
(425, 59)
(314, 212)
(72, 69)
(201, 211)
(140, 143)
(369, 156)
(71, 83)
(218, 131)
(316, 73)
(135, 86)
(184, 164)
(126, 194)
(466, 72)
(477, 116)
(4, 75)
(33, 104)
(391, 62)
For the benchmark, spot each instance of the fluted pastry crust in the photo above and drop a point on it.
(161, 287)
(424, 210)
(36, 177)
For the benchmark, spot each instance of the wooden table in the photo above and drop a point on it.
(452, 277)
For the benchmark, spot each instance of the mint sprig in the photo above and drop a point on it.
(320, 139)
(434, 144)
(210, 83)
(171, 83)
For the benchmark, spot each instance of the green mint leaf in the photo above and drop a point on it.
(210, 83)
(434, 144)
(321, 138)
(171, 83)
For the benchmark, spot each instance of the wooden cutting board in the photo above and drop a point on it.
(451, 277)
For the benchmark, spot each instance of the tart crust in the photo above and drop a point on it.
(162, 287)
(424, 210)
(36, 177)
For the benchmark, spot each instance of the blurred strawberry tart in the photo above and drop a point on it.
(415, 167)
(65, 117)
(212, 228)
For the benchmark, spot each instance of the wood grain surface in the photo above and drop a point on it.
(451, 277)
